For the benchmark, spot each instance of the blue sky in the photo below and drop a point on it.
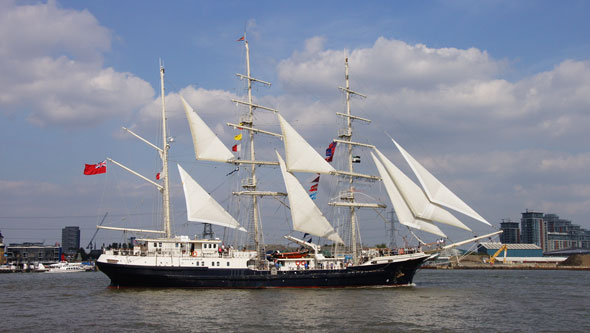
(493, 96)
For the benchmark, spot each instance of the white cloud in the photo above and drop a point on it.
(446, 89)
(52, 64)
(386, 67)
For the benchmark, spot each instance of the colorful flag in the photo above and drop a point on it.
(330, 151)
(95, 169)
(314, 188)
(158, 176)
(238, 137)
(241, 39)
(236, 148)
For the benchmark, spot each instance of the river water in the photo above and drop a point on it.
(441, 300)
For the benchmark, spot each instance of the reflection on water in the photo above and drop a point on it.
(440, 301)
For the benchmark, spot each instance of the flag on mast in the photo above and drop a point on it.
(313, 190)
(238, 137)
(330, 151)
(241, 39)
(95, 169)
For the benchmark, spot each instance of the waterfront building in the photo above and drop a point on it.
(70, 240)
(562, 234)
(533, 229)
(28, 253)
(511, 232)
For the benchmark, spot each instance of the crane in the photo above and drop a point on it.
(89, 246)
(504, 248)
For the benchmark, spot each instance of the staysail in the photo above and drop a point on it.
(207, 145)
(416, 199)
(403, 212)
(201, 207)
(305, 214)
(300, 155)
(436, 191)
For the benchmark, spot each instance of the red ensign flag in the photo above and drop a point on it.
(95, 169)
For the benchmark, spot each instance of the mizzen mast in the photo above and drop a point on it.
(347, 197)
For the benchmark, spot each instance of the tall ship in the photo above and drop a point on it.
(208, 262)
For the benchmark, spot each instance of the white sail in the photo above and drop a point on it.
(300, 155)
(403, 212)
(305, 214)
(416, 198)
(436, 191)
(207, 145)
(201, 207)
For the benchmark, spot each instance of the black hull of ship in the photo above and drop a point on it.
(388, 274)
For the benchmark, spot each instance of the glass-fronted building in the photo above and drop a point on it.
(562, 234)
(70, 239)
(511, 232)
(532, 229)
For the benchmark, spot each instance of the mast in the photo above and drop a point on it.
(164, 154)
(164, 188)
(345, 137)
(348, 137)
(250, 184)
(253, 184)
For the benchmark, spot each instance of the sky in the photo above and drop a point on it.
(493, 97)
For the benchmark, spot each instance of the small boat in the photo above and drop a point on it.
(65, 267)
(289, 255)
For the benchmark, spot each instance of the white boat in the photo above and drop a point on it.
(65, 267)
(8, 268)
(179, 261)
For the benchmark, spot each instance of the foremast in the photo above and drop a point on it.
(347, 196)
(165, 146)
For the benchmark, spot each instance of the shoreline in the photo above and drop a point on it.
(510, 267)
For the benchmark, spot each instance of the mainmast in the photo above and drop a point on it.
(164, 153)
(250, 184)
